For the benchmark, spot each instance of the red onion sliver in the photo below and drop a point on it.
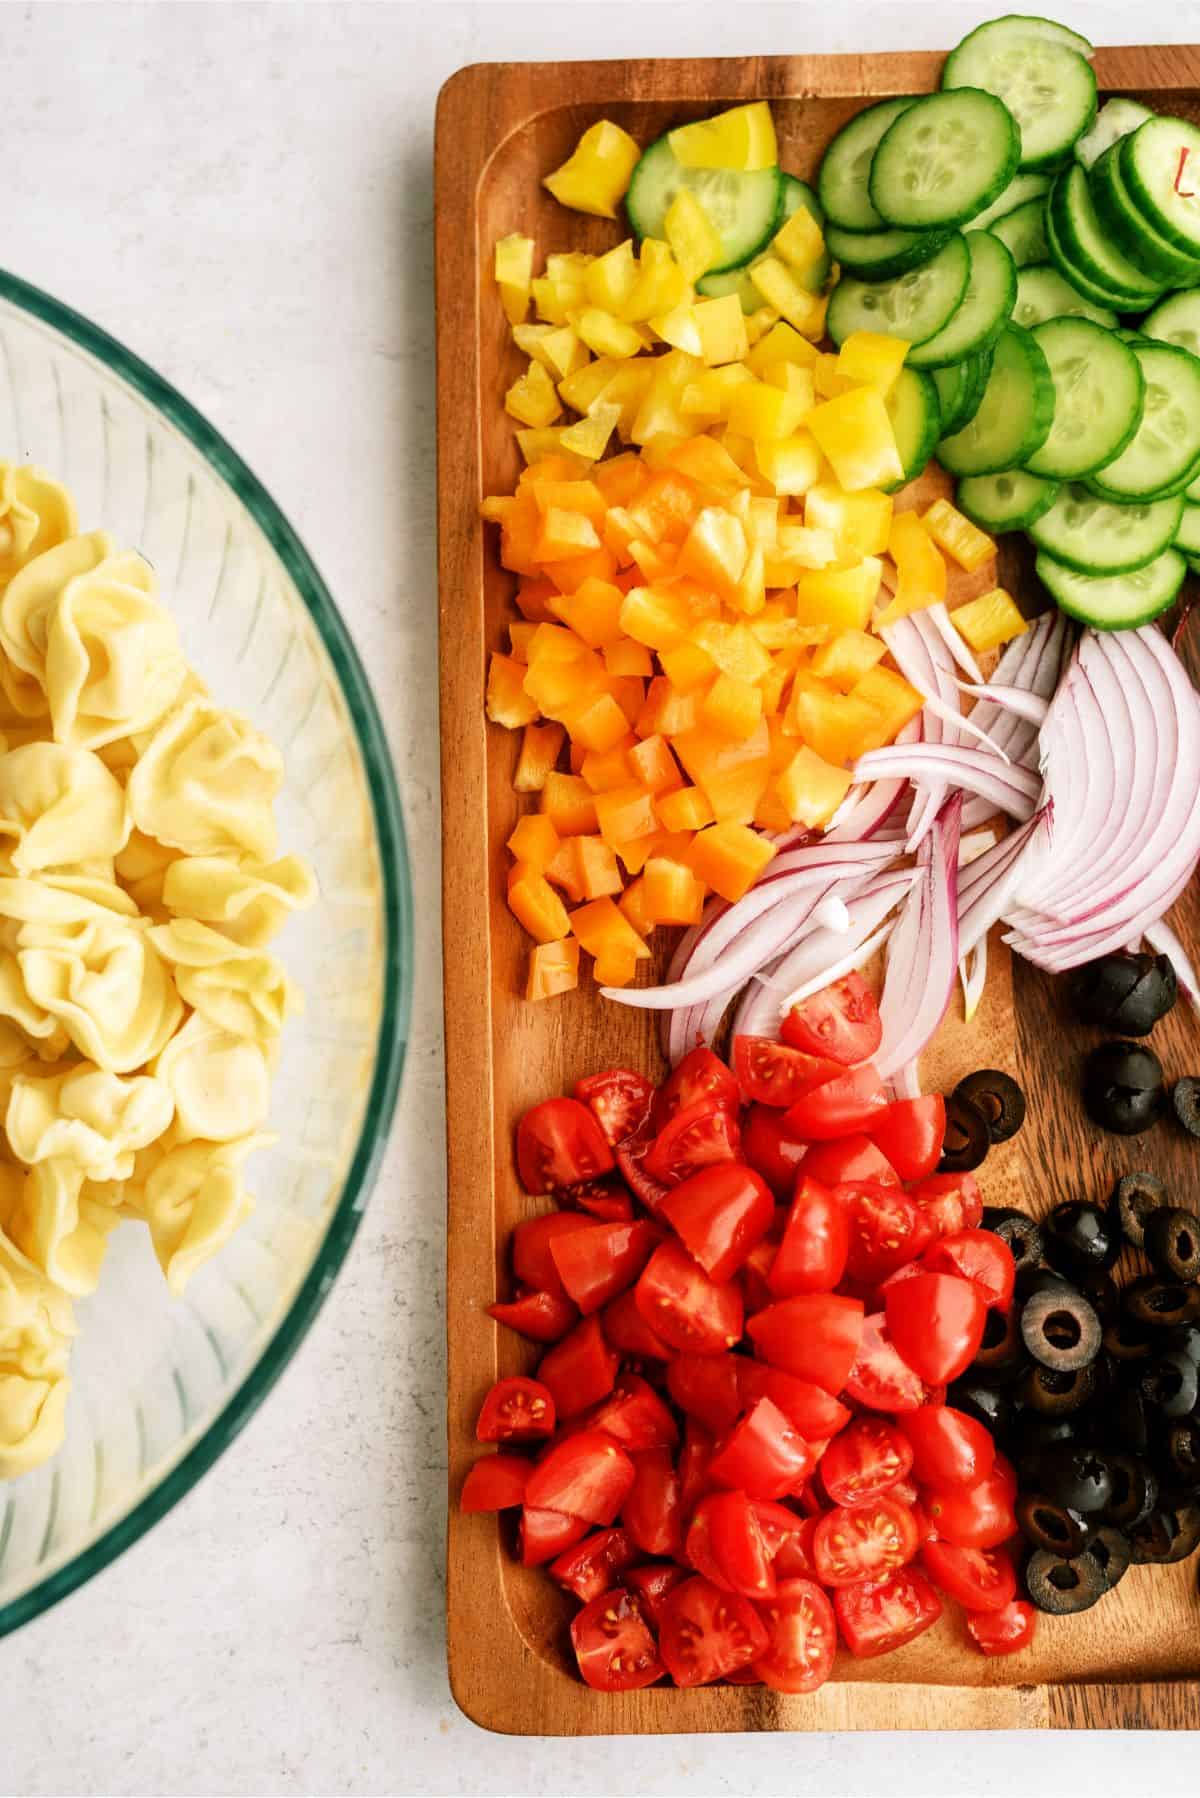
(1029, 706)
(1012, 789)
(923, 950)
(1162, 938)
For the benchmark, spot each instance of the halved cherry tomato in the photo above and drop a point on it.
(886, 1229)
(542, 1316)
(880, 1378)
(980, 1578)
(1006, 1473)
(627, 1330)
(869, 1457)
(863, 1542)
(762, 1454)
(599, 1198)
(698, 1550)
(652, 1512)
(543, 1534)
(1006, 1631)
(559, 1143)
(708, 1387)
(771, 1150)
(936, 1321)
(597, 1261)
(635, 1416)
(738, 1545)
(910, 1134)
(757, 1265)
(595, 1564)
(619, 1100)
(814, 1336)
(794, 1557)
(849, 1158)
(720, 1214)
(812, 1410)
(874, 1619)
(683, 1306)
(776, 1524)
(771, 1073)
(585, 1475)
(706, 1633)
(516, 1410)
(631, 1159)
(949, 1448)
(650, 1584)
(802, 1638)
(978, 1516)
(699, 1137)
(533, 1263)
(613, 1644)
(581, 1369)
(841, 1021)
(494, 1483)
(981, 1257)
(700, 1078)
(816, 1240)
(950, 1202)
(840, 1107)
(694, 1457)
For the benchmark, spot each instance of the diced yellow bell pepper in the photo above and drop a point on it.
(605, 334)
(811, 789)
(680, 330)
(765, 413)
(655, 617)
(541, 746)
(892, 698)
(734, 648)
(732, 707)
(742, 138)
(671, 892)
(731, 774)
(759, 319)
(626, 813)
(722, 327)
(987, 622)
(632, 907)
(535, 445)
(860, 522)
(775, 684)
(514, 274)
(839, 597)
(778, 285)
(667, 712)
(508, 703)
(798, 550)
(855, 433)
(652, 764)
(568, 802)
(799, 241)
(585, 385)
(532, 398)
(729, 857)
(564, 534)
(920, 570)
(685, 809)
(662, 286)
(535, 904)
(588, 437)
(752, 587)
(694, 239)
(762, 522)
(793, 380)
(969, 546)
(555, 297)
(597, 722)
(556, 347)
(791, 466)
(611, 279)
(869, 359)
(534, 841)
(553, 968)
(838, 726)
(714, 551)
(782, 343)
(595, 175)
(847, 657)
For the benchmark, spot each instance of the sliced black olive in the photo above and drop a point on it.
(1135, 1197)
(1168, 1534)
(1123, 1087)
(1032, 1280)
(1122, 1423)
(1170, 1384)
(1112, 1550)
(1100, 1291)
(1022, 1234)
(1080, 1238)
(999, 1098)
(1047, 1524)
(967, 1139)
(1126, 1341)
(1185, 1100)
(1055, 1394)
(1125, 992)
(1186, 1338)
(1034, 1434)
(1061, 1584)
(1151, 1300)
(988, 1405)
(1134, 1490)
(1060, 1329)
(1173, 1243)
(1001, 1355)
(1076, 1476)
(1179, 1455)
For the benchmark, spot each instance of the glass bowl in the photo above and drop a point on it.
(160, 1385)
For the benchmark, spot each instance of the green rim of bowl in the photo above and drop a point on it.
(397, 958)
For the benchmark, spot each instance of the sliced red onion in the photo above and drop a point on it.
(926, 664)
(923, 950)
(906, 1082)
(847, 964)
(1029, 706)
(831, 914)
(953, 638)
(1033, 662)
(1011, 789)
(1163, 940)
(973, 971)
(986, 887)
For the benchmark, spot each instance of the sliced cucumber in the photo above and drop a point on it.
(744, 208)
(1023, 232)
(1176, 320)
(1047, 86)
(879, 255)
(944, 159)
(1020, 190)
(796, 194)
(1104, 298)
(1114, 602)
(1014, 415)
(1083, 241)
(1098, 389)
(1115, 120)
(1010, 501)
(1031, 25)
(1166, 444)
(1187, 537)
(1152, 161)
(1043, 293)
(846, 165)
(916, 414)
(1129, 228)
(1191, 492)
(914, 306)
(1097, 537)
(960, 389)
(985, 306)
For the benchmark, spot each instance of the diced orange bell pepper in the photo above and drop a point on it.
(709, 463)
(620, 478)
(688, 667)
(714, 551)
(576, 756)
(632, 906)
(563, 871)
(892, 698)
(559, 687)
(597, 866)
(652, 764)
(508, 703)
(534, 841)
(597, 722)
(729, 858)
(594, 612)
(568, 802)
(519, 637)
(836, 725)
(583, 497)
(625, 813)
(666, 506)
(811, 789)
(847, 657)
(969, 546)
(553, 968)
(655, 560)
(655, 617)
(602, 931)
(637, 852)
(771, 813)
(541, 746)
(673, 895)
(570, 572)
(920, 569)
(565, 534)
(734, 648)
(629, 691)
(519, 532)
(626, 657)
(686, 808)
(666, 712)
(533, 901)
(533, 596)
(731, 774)
(605, 772)
(733, 707)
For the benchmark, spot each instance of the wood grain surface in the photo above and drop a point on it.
(1132, 1662)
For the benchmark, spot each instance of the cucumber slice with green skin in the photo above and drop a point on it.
(960, 389)
(1115, 120)
(1023, 233)
(1099, 391)
(1129, 228)
(1114, 602)
(1187, 537)
(1166, 444)
(744, 208)
(1014, 415)
(1097, 537)
(914, 306)
(1010, 501)
(842, 180)
(1193, 563)
(1049, 88)
(1191, 492)
(1152, 160)
(1021, 189)
(1104, 298)
(984, 308)
(880, 255)
(1176, 320)
(1043, 293)
(1169, 489)
(796, 195)
(1030, 25)
(944, 159)
(916, 414)
(1082, 240)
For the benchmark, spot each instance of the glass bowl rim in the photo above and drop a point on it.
(396, 884)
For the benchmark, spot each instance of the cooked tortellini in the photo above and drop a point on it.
(140, 882)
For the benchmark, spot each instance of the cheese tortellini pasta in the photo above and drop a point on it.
(140, 882)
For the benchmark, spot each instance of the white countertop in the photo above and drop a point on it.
(242, 193)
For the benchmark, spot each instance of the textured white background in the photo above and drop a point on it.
(242, 192)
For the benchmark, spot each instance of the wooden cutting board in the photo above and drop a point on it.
(1133, 1661)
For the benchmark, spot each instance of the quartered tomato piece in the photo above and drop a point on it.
(794, 1557)
(600, 1198)
(869, 1457)
(594, 1565)
(772, 1150)
(597, 1261)
(849, 1158)
(699, 1137)
(698, 1550)
(650, 1584)
(814, 1336)
(863, 1542)
(619, 1100)
(559, 1143)
(886, 1229)
(683, 1306)
(802, 1638)
(627, 1330)
(981, 1257)
(880, 1378)
(841, 1021)
(950, 1202)
(694, 1457)
(533, 1262)
(631, 1159)
(516, 1410)
(777, 1524)
(980, 1578)
(763, 1454)
(720, 1214)
(635, 1416)
(771, 1073)
(1006, 1631)
(652, 1513)
(494, 1483)
(811, 1409)
(936, 1322)
(949, 1448)
(978, 1516)
(543, 1534)
(816, 1241)
(874, 1619)
(700, 1079)
(613, 1644)
(839, 1107)
(738, 1545)
(583, 1475)
(580, 1370)
(708, 1387)
(706, 1633)
(541, 1316)
(910, 1134)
